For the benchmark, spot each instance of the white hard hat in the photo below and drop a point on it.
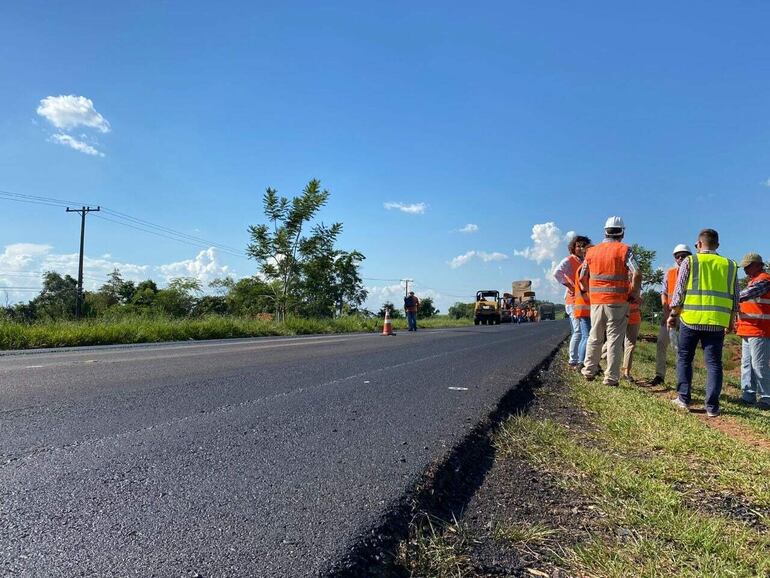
(615, 223)
(681, 248)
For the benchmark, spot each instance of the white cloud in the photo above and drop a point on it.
(70, 111)
(23, 265)
(413, 209)
(73, 143)
(546, 239)
(205, 267)
(469, 228)
(463, 259)
(767, 183)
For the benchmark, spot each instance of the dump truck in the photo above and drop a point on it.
(487, 308)
(547, 311)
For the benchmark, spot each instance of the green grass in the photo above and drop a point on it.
(650, 468)
(152, 330)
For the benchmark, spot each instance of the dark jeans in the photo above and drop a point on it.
(411, 320)
(711, 342)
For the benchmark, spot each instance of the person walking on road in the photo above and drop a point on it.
(754, 330)
(705, 303)
(565, 274)
(611, 276)
(411, 306)
(668, 336)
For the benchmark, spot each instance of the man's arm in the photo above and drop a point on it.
(755, 290)
(584, 276)
(677, 297)
(636, 277)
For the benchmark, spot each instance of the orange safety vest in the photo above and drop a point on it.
(608, 282)
(575, 262)
(670, 284)
(754, 316)
(582, 305)
(634, 314)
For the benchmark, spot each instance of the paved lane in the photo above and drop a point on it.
(264, 457)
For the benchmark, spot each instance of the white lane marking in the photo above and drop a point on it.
(366, 381)
(33, 366)
(458, 388)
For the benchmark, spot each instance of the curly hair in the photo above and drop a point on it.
(573, 242)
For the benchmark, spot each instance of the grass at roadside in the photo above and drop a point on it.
(153, 330)
(672, 495)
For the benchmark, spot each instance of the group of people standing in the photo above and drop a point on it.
(701, 303)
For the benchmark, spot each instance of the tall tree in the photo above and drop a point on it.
(275, 245)
(644, 259)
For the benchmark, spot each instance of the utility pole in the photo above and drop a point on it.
(406, 288)
(83, 212)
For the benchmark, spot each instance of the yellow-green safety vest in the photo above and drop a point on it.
(710, 290)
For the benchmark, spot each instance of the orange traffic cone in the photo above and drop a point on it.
(387, 327)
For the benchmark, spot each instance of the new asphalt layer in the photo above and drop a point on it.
(260, 457)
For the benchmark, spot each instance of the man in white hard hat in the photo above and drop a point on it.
(668, 336)
(611, 277)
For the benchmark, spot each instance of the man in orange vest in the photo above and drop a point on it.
(611, 277)
(632, 334)
(754, 331)
(681, 252)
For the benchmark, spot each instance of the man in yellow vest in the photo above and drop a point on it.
(667, 336)
(611, 278)
(705, 300)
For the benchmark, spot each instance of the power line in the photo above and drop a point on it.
(128, 221)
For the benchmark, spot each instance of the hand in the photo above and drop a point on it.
(671, 322)
(730, 328)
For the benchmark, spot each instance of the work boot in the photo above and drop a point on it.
(657, 380)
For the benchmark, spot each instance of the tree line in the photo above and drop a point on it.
(301, 272)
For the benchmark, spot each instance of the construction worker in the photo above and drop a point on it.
(705, 302)
(754, 330)
(668, 336)
(629, 342)
(411, 306)
(565, 274)
(605, 274)
(582, 312)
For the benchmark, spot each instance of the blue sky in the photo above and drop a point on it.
(506, 115)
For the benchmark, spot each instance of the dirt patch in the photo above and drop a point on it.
(725, 504)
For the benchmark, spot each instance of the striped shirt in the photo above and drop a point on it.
(565, 274)
(755, 290)
(677, 300)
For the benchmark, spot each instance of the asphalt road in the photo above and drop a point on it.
(262, 457)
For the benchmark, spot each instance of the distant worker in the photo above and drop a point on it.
(565, 274)
(611, 277)
(705, 302)
(632, 334)
(754, 331)
(411, 306)
(668, 336)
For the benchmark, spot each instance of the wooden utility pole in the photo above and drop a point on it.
(83, 212)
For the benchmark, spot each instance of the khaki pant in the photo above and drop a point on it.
(612, 320)
(664, 339)
(629, 344)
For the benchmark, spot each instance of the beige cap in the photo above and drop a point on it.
(750, 258)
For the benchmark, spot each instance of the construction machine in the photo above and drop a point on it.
(487, 308)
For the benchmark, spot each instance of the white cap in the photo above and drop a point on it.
(681, 248)
(615, 223)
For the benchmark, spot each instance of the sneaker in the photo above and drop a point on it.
(628, 378)
(657, 380)
(764, 403)
(749, 402)
(713, 412)
(680, 404)
(611, 383)
(588, 377)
